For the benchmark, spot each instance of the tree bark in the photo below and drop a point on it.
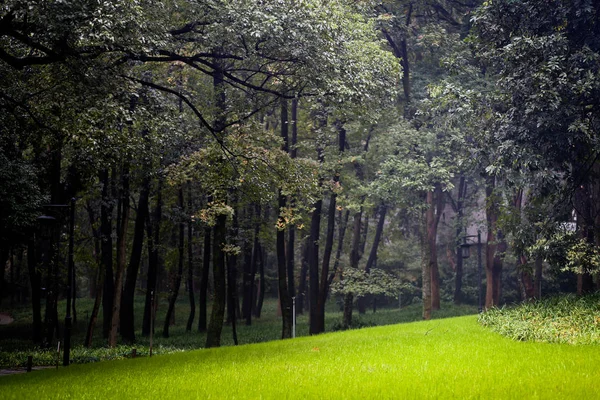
(95, 310)
(250, 274)
(427, 250)
(260, 296)
(371, 261)
(343, 225)
(202, 296)
(301, 299)
(106, 210)
(438, 204)
(462, 190)
(153, 234)
(377, 239)
(494, 246)
(121, 255)
(127, 301)
(190, 257)
(355, 256)
(215, 326)
(313, 268)
(174, 292)
(36, 290)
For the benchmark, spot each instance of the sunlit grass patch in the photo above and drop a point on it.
(440, 359)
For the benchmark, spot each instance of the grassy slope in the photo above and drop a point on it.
(16, 344)
(447, 358)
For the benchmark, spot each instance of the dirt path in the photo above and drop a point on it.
(5, 319)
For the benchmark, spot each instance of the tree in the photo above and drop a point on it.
(546, 57)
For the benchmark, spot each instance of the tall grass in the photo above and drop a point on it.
(453, 358)
(560, 319)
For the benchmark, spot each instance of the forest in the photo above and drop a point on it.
(360, 154)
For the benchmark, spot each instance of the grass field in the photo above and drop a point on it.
(439, 359)
(16, 344)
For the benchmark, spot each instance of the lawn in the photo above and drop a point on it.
(439, 359)
(16, 344)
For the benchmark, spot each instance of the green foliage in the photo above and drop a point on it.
(560, 319)
(20, 198)
(360, 283)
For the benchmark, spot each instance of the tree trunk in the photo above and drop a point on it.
(494, 246)
(438, 204)
(202, 296)
(260, 296)
(127, 301)
(121, 256)
(343, 225)
(249, 279)
(371, 261)
(231, 260)
(313, 268)
(284, 297)
(462, 191)
(153, 239)
(95, 310)
(174, 292)
(190, 277)
(215, 326)
(428, 249)
(537, 281)
(355, 256)
(36, 288)
(106, 210)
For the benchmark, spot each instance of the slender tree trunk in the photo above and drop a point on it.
(249, 281)
(284, 297)
(313, 268)
(127, 301)
(95, 310)
(324, 279)
(494, 246)
(3, 260)
(202, 296)
(36, 288)
(215, 326)
(177, 278)
(291, 148)
(260, 296)
(462, 190)
(438, 204)
(343, 225)
(427, 251)
(106, 210)
(537, 282)
(301, 298)
(190, 251)
(285, 270)
(121, 256)
(355, 256)
(373, 254)
(153, 234)
(231, 261)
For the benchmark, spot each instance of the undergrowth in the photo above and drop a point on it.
(559, 319)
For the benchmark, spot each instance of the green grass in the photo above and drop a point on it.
(15, 343)
(439, 359)
(560, 319)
